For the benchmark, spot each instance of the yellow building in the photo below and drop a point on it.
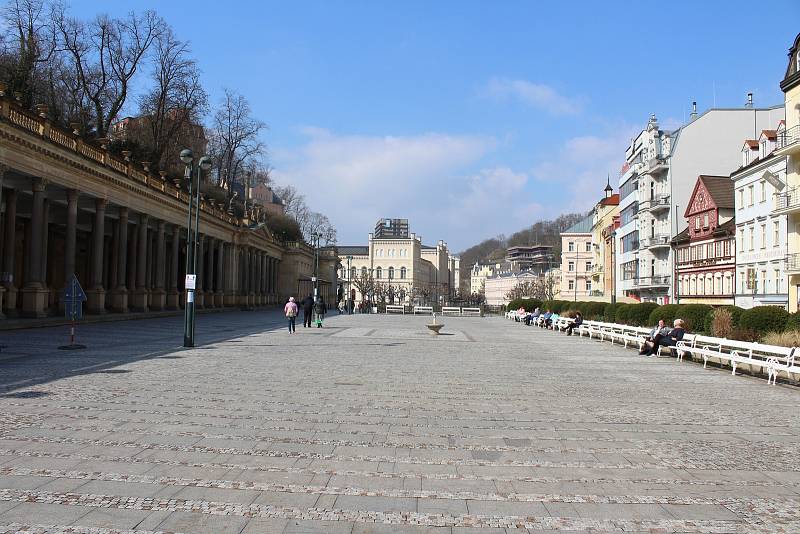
(789, 146)
(602, 219)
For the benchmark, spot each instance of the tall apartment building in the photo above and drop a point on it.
(760, 231)
(391, 228)
(536, 258)
(788, 202)
(658, 177)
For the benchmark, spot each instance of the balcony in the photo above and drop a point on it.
(793, 263)
(787, 201)
(653, 281)
(789, 141)
(657, 165)
(655, 241)
(657, 203)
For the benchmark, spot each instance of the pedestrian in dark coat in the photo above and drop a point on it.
(319, 310)
(308, 307)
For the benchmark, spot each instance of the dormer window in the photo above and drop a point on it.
(763, 148)
(744, 157)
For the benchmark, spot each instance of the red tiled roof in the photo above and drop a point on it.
(752, 143)
(771, 134)
(613, 200)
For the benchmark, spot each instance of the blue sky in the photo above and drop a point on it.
(471, 118)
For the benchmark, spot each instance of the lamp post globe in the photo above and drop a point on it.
(187, 156)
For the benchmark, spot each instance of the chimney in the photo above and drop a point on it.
(693, 115)
(749, 100)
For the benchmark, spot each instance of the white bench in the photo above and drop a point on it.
(423, 309)
(475, 312)
(395, 308)
(451, 310)
(784, 362)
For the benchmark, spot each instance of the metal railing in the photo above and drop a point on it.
(789, 137)
(788, 199)
(658, 240)
(652, 281)
(657, 202)
(793, 262)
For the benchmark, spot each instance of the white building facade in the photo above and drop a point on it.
(761, 234)
(659, 175)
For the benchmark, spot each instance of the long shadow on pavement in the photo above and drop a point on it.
(32, 356)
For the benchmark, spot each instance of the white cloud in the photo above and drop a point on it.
(537, 95)
(581, 166)
(356, 179)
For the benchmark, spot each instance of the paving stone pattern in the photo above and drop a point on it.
(370, 425)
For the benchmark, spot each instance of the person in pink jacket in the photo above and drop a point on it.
(290, 310)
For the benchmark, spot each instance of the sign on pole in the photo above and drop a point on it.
(74, 297)
(191, 281)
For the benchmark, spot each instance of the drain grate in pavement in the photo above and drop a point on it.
(348, 383)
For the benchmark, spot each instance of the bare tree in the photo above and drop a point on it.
(365, 284)
(105, 55)
(294, 203)
(524, 289)
(172, 109)
(234, 139)
(27, 48)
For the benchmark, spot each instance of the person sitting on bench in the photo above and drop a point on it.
(531, 317)
(670, 339)
(577, 322)
(546, 321)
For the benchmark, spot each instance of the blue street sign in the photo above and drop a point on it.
(73, 299)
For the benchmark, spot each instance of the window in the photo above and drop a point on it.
(763, 281)
(588, 285)
(763, 149)
(777, 284)
(402, 273)
(763, 236)
(741, 239)
(588, 246)
(764, 185)
(628, 187)
(571, 266)
(571, 246)
(705, 220)
(571, 285)
(352, 272)
(630, 241)
(626, 216)
(697, 224)
(630, 270)
(750, 195)
(744, 281)
(391, 273)
(364, 271)
(776, 237)
(744, 157)
(378, 273)
(741, 198)
(752, 238)
(588, 266)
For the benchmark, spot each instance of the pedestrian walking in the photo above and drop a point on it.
(319, 310)
(308, 306)
(291, 314)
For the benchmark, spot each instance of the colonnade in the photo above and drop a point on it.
(126, 261)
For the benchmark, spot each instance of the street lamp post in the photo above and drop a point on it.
(315, 241)
(349, 278)
(613, 268)
(191, 239)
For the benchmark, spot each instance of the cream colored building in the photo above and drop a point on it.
(481, 271)
(499, 285)
(603, 220)
(410, 271)
(788, 202)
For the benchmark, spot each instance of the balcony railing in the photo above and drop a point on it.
(793, 262)
(652, 281)
(789, 137)
(656, 203)
(657, 165)
(788, 200)
(658, 240)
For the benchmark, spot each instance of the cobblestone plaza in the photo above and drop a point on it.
(370, 425)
